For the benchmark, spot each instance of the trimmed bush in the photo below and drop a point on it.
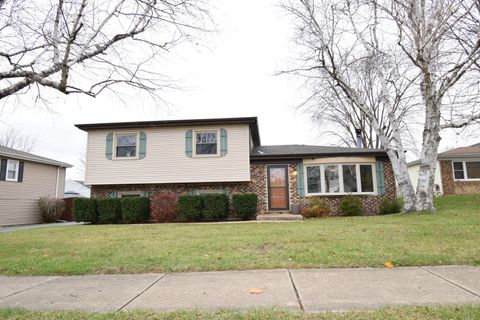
(85, 210)
(317, 208)
(351, 206)
(50, 209)
(245, 205)
(190, 208)
(109, 210)
(389, 207)
(135, 209)
(215, 207)
(163, 207)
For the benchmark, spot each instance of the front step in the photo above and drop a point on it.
(279, 216)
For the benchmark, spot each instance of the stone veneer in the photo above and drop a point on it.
(258, 185)
(450, 186)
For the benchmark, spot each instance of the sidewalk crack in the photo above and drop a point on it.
(142, 292)
(450, 281)
(38, 284)
(296, 291)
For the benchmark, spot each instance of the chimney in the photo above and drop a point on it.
(359, 137)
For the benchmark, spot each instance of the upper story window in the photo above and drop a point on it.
(126, 145)
(323, 179)
(466, 170)
(12, 170)
(206, 143)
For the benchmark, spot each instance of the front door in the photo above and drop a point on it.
(278, 187)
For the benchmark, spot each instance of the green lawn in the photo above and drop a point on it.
(469, 312)
(451, 236)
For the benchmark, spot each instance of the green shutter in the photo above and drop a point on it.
(113, 194)
(142, 150)
(188, 143)
(223, 142)
(300, 180)
(193, 192)
(109, 146)
(380, 178)
(144, 194)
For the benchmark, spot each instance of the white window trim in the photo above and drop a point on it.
(465, 173)
(194, 143)
(340, 179)
(129, 193)
(114, 146)
(16, 171)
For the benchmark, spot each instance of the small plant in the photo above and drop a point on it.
(135, 209)
(351, 206)
(390, 206)
(85, 210)
(50, 209)
(245, 205)
(215, 207)
(109, 210)
(163, 207)
(317, 208)
(190, 208)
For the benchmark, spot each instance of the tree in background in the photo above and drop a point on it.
(88, 46)
(384, 64)
(16, 140)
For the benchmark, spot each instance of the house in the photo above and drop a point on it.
(76, 189)
(225, 155)
(457, 171)
(24, 178)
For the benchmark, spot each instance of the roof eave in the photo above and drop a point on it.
(52, 163)
(314, 155)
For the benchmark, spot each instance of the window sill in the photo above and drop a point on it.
(466, 180)
(341, 194)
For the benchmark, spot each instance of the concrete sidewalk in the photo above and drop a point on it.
(302, 290)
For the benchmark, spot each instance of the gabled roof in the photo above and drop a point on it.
(21, 155)
(472, 151)
(251, 121)
(299, 151)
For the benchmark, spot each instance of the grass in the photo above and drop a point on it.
(449, 236)
(467, 312)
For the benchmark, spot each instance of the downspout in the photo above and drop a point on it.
(56, 183)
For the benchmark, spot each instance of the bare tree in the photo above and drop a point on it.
(412, 53)
(16, 140)
(88, 46)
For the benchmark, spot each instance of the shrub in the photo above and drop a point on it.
(85, 210)
(109, 210)
(135, 209)
(317, 208)
(245, 205)
(215, 206)
(351, 206)
(163, 207)
(190, 208)
(50, 208)
(389, 207)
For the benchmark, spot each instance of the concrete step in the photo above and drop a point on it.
(279, 216)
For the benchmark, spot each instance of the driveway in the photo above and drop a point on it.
(35, 226)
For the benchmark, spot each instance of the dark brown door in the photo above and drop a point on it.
(278, 187)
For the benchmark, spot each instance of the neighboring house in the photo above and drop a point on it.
(24, 178)
(75, 189)
(225, 155)
(457, 171)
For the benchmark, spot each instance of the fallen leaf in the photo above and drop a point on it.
(256, 290)
(388, 264)
(219, 258)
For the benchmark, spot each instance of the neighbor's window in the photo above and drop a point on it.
(206, 142)
(12, 170)
(126, 145)
(340, 178)
(466, 170)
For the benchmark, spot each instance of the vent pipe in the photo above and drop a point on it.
(359, 137)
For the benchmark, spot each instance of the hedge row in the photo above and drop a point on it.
(111, 210)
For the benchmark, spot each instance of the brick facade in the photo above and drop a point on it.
(258, 185)
(450, 186)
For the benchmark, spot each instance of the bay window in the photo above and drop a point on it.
(324, 179)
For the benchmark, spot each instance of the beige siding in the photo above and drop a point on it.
(165, 160)
(18, 199)
(413, 172)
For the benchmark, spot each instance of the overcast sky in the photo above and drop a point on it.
(231, 73)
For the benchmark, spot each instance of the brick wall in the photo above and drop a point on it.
(258, 185)
(450, 186)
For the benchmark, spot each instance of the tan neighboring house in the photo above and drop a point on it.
(201, 156)
(24, 178)
(457, 171)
